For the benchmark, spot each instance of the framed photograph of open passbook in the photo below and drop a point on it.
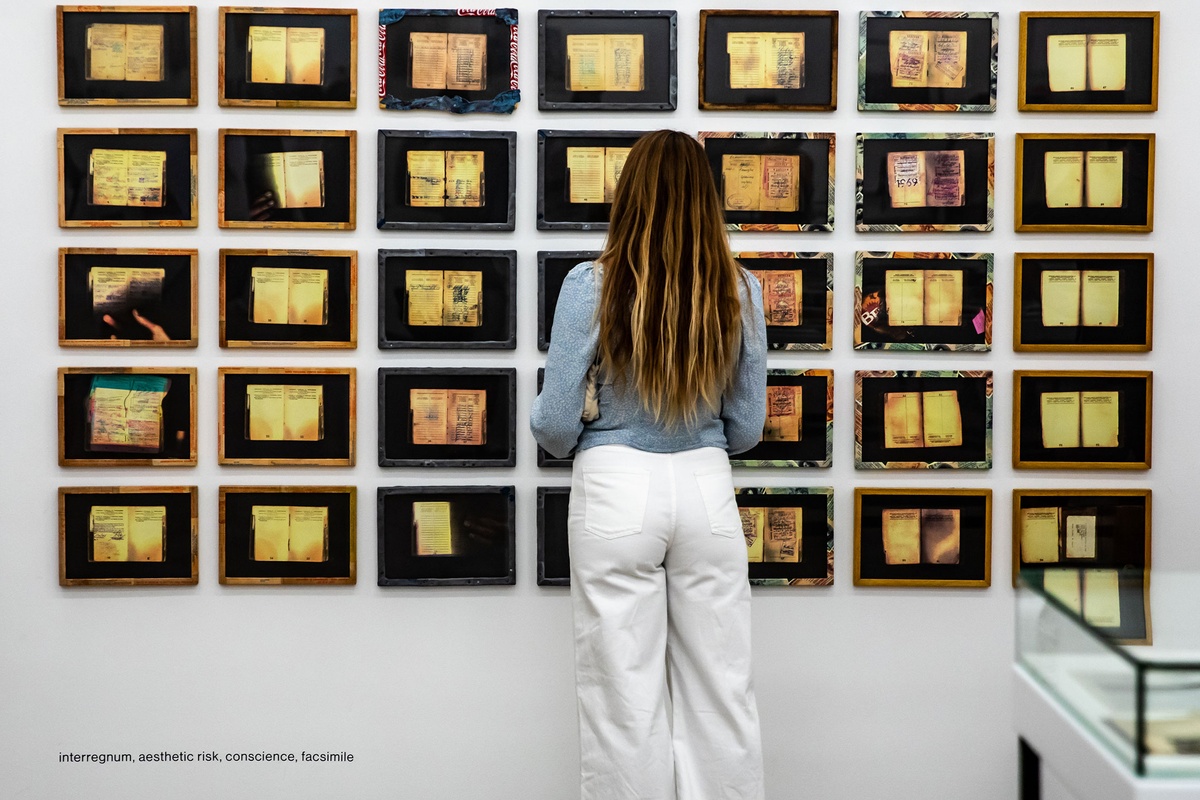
(1090, 550)
(1082, 419)
(447, 416)
(447, 180)
(1088, 61)
(577, 177)
(447, 535)
(797, 291)
(544, 459)
(288, 57)
(922, 537)
(773, 181)
(1085, 182)
(789, 534)
(450, 299)
(127, 536)
(924, 419)
(289, 298)
(284, 179)
(127, 56)
(768, 60)
(1085, 302)
(924, 182)
(553, 266)
(607, 60)
(287, 535)
(126, 297)
(927, 60)
(922, 301)
(275, 417)
(457, 60)
(127, 178)
(799, 427)
(553, 551)
(126, 416)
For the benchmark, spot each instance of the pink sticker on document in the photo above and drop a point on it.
(978, 322)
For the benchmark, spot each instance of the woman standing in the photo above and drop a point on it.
(659, 587)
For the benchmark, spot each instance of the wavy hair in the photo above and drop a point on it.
(669, 310)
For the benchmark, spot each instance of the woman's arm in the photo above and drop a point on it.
(744, 409)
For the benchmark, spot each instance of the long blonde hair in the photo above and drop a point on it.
(669, 310)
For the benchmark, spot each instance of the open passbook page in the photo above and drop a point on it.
(1074, 297)
(1102, 597)
(445, 178)
(1081, 419)
(921, 535)
(926, 178)
(774, 535)
(765, 60)
(125, 412)
(1079, 533)
(1093, 62)
(289, 533)
(924, 296)
(594, 172)
(117, 52)
(296, 179)
(451, 298)
(783, 296)
(1075, 178)
(279, 412)
(132, 178)
(784, 409)
(448, 416)
(928, 59)
(431, 529)
(450, 61)
(127, 533)
(1040, 535)
(922, 419)
(761, 182)
(119, 289)
(275, 54)
(289, 296)
(607, 62)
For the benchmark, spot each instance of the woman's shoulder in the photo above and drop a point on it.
(586, 271)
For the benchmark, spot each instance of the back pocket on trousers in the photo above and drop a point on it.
(614, 501)
(716, 490)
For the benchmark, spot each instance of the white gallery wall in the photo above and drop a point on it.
(444, 693)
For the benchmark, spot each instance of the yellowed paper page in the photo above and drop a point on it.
(428, 415)
(943, 297)
(754, 521)
(902, 420)
(784, 531)
(266, 54)
(1105, 178)
(423, 288)
(1060, 298)
(269, 526)
(624, 62)
(462, 299)
(1066, 62)
(942, 419)
(126, 417)
(466, 62)
(431, 529)
(303, 412)
(464, 178)
(614, 162)
(269, 295)
(127, 177)
(1102, 598)
(940, 535)
(110, 288)
(784, 404)
(1063, 585)
(304, 185)
(944, 181)
(305, 56)
(1100, 418)
(264, 412)
(1106, 62)
(902, 536)
(1039, 535)
(1080, 536)
(908, 53)
(1101, 298)
(780, 183)
(308, 290)
(109, 527)
(746, 67)
(105, 52)
(1063, 171)
(904, 295)
(741, 180)
(466, 413)
(783, 296)
(427, 178)
(429, 57)
(585, 168)
(144, 53)
(147, 532)
(906, 179)
(948, 59)
(784, 60)
(308, 533)
(1060, 419)
(585, 62)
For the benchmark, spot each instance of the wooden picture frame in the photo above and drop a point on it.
(267, 298)
(553, 266)
(484, 396)
(814, 89)
(414, 309)
(934, 538)
(923, 301)
(959, 403)
(1109, 532)
(749, 168)
(1124, 83)
(800, 437)
(808, 324)
(164, 70)
(160, 194)
(288, 553)
(1113, 308)
(1051, 430)
(477, 524)
(544, 459)
(789, 534)
(101, 288)
(107, 416)
(1066, 202)
(252, 161)
(898, 69)
(488, 201)
(300, 69)
(553, 552)
(899, 189)
(565, 203)
(649, 81)
(318, 430)
(128, 551)
(482, 82)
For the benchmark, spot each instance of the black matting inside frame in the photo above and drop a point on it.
(972, 406)
(554, 556)
(245, 186)
(336, 411)
(239, 535)
(877, 208)
(176, 55)
(1132, 420)
(1131, 327)
(814, 544)
(172, 310)
(819, 50)
(974, 302)
(239, 298)
(177, 544)
(177, 177)
(1135, 182)
(813, 299)
(555, 209)
(972, 522)
(814, 429)
(814, 177)
(176, 417)
(397, 55)
(1139, 63)
(335, 83)
(977, 87)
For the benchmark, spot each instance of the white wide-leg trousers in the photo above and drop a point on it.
(662, 628)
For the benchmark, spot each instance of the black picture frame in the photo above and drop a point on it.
(660, 59)
(553, 266)
(814, 447)
(553, 550)
(555, 211)
(482, 532)
(395, 417)
(814, 565)
(815, 328)
(498, 213)
(544, 459)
